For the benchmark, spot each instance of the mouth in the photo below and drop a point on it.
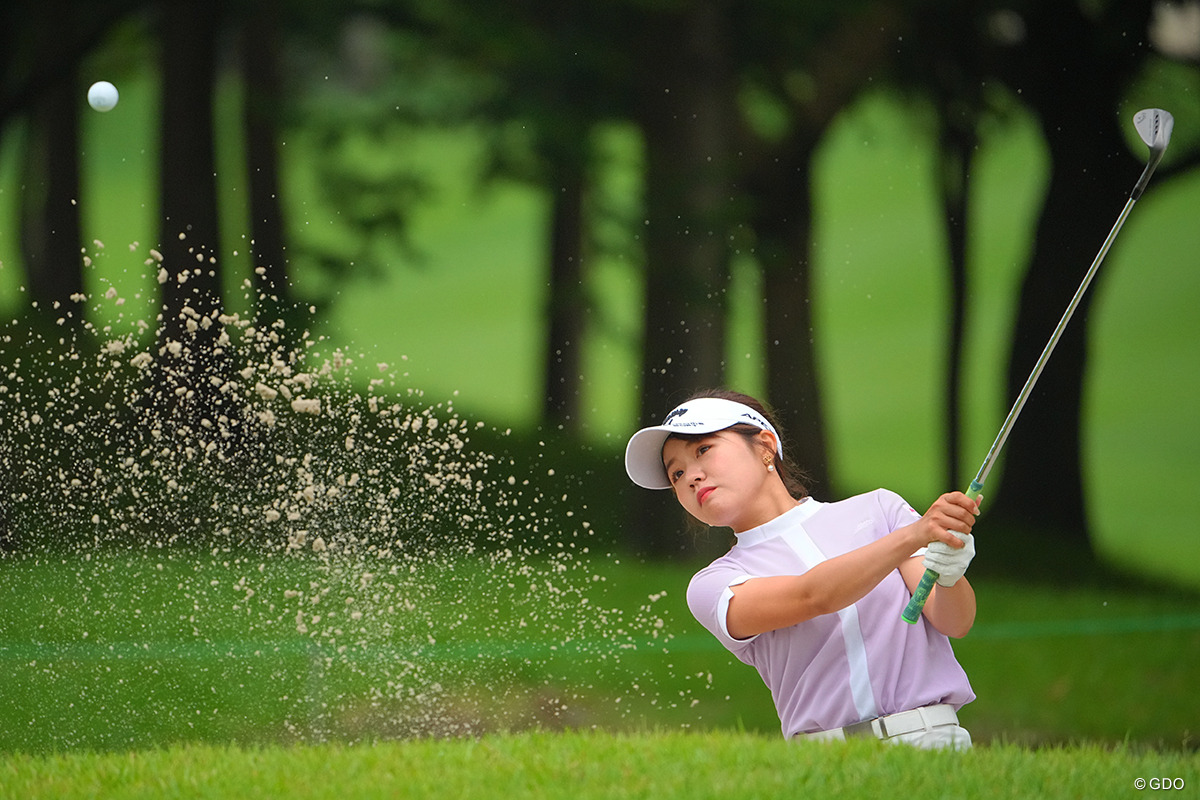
(703, 494)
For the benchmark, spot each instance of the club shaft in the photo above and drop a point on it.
(912, 611)
(1027, 389)
(1156, 134)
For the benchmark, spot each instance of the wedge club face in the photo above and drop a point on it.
(1154, 126)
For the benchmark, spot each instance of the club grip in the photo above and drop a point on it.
(912, 611)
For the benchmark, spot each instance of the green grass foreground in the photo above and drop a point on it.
(138, 651)
(592, 765)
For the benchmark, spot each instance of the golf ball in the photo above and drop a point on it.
(102, 96)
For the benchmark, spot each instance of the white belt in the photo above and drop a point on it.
(919, 719)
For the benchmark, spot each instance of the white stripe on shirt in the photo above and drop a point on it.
(856, 649)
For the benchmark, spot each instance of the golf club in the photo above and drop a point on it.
(1154, 126)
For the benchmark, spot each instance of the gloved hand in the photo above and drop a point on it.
(950, 563)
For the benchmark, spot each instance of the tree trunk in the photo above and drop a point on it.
(779, 184)
(1042, 483)
(191, 284)
(783, 229)
(685, 115)
(957, 144)
(1075, 93)
(260, 113)
(50, 225)
(685, 118)
(566, 301)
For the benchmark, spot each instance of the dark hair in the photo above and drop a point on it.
(794, 478)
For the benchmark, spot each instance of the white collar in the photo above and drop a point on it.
(781, 524)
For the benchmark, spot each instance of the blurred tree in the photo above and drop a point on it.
(362, 84)
(189, 241)
(800, 68)
(685, 104)
(949, 63)
(686, 108)
(260, 33)
(957, 141)
(1075, 91)
(51, 231)
(572, 107)
(41, 47)
(974, 62)
(942, 63)
(566, 305)
(552, 77)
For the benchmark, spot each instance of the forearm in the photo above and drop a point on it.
(953, 611)
(950, 609)
(765, 604)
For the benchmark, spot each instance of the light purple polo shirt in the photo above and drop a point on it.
(835, 669)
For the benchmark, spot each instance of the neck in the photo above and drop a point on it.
(773, 501)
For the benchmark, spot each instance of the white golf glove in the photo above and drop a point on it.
(948, 562)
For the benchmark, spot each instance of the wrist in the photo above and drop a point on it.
(909, 539)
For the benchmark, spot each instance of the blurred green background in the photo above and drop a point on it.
(463, 320)
(118, 648)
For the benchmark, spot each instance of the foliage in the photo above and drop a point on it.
(370, 84)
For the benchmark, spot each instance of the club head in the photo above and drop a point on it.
(1154, 126)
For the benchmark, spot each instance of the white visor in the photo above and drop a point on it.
(643, 454)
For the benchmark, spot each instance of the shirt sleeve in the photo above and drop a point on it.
(708, 596)
(897, 513)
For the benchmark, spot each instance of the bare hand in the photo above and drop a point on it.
(950, 513)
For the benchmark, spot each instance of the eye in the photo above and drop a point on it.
(676, 475)
(702, 449)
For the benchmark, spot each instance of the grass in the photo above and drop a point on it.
(152, 649)
(582, 765)
(1043, 661)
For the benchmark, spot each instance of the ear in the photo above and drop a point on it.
(768, 442)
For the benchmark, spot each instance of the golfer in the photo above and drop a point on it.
(810, 594)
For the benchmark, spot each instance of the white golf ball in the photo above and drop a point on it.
(102, 96)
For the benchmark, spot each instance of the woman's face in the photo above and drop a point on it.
(721, 478)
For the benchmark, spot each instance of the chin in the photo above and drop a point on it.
(714, 520)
